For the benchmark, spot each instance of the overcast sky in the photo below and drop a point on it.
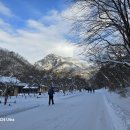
(35, 28)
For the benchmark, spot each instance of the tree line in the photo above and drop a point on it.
(103, 31)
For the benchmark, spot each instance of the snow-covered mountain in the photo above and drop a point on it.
(58, 64)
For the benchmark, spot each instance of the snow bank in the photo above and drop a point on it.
(17, 110)
(118, 107)
(117, 122)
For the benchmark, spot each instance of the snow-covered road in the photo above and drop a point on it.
(81, 112)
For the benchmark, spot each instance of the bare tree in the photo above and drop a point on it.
(104, 25)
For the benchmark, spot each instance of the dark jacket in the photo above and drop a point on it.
(51, 92)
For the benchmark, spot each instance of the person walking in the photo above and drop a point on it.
(51, 93)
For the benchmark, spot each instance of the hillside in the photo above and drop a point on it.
(12, 63)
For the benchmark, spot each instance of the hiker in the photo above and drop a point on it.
(51, 93)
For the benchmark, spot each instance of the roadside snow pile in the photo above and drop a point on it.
(18, 104)
(121, 106)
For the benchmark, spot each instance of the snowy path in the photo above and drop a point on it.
(82, 112)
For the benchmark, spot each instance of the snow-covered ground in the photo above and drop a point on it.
(120, 105)
(77, 111)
